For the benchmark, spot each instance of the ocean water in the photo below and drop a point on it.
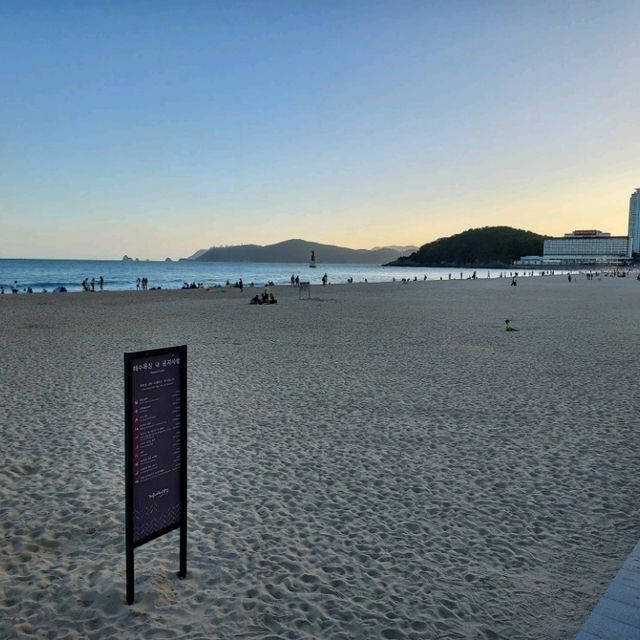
(119, 276)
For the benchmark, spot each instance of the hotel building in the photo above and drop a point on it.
(634, 221)
(583, 248)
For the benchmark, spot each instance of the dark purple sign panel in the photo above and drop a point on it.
(156, 441)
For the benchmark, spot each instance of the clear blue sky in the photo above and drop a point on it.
(158, 128)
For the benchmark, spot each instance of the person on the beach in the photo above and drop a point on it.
(240, 285)
(101, 282)
(293, 280)
(93, 284)
(507, 326)
(325, 279)
(14, 287)
(569, 277)
(514, 282)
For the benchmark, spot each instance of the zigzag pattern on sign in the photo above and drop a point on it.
(144, 526)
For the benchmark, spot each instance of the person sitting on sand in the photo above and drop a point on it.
(272, 300)
(255, 300)
(508, 327)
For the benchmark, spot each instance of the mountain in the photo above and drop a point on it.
(298, 251)
(484, 247)
(398, 247)
(196, 255)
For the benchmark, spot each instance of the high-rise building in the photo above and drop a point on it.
(634, 221)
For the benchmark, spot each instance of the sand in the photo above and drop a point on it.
(381, 461)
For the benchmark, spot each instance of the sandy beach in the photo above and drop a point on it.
(380, 461)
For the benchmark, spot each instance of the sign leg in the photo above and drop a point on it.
(130, 575)
(182, 574)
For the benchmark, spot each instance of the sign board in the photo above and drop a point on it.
(155, 450)
(304, 287)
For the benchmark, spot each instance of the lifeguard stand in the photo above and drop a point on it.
(302, 288)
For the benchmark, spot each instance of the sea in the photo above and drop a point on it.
(46, 275)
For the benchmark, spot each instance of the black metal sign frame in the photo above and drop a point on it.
(129, 359)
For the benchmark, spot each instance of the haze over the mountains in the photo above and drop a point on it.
(300, 251)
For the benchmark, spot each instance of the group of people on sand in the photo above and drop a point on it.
(295, 280)
(239, 284)
(142, 284)
(14, 288)
(193, 285)
(263, 298)
(90, 285)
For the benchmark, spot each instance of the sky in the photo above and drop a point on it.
(154, 129)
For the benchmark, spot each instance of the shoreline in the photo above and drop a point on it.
(39, 276)
(520, 275)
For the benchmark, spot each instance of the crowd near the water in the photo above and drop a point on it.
(94, 284)
(90, 285)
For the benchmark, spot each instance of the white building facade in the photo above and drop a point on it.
(634, 221)
(589, 247)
